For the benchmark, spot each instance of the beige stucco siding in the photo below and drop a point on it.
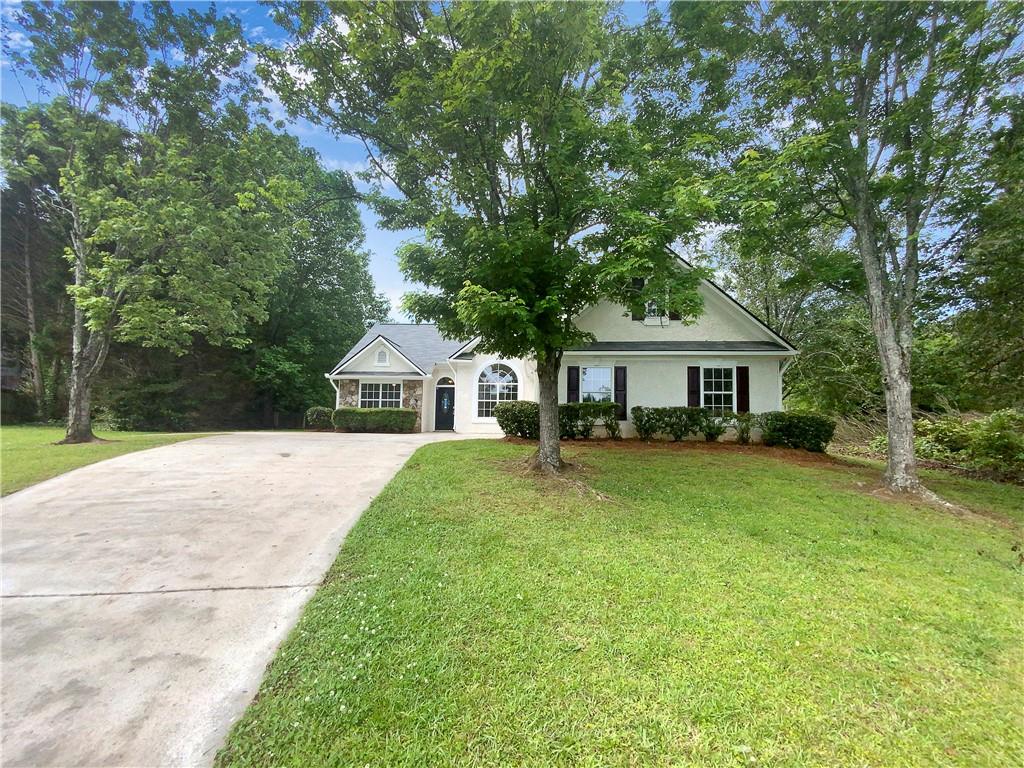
(367, 361)
(722, 320)
(661, 381)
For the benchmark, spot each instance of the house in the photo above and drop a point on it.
(728, 360)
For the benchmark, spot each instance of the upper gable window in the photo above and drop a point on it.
(383, 358)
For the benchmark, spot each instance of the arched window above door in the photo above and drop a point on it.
(445, 381)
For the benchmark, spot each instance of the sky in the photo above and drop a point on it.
(336, 153)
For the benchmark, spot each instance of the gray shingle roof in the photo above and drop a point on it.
(420, 342)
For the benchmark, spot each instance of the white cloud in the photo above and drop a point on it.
(341, 25)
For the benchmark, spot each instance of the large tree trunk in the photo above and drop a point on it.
(893, 338)
(549, 451)
(79, 414)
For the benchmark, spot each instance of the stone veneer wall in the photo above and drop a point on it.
(412, 397)
(349, 393)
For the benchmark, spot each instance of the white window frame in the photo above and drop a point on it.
(387, 357)
(611, 383)
(476, 389)
(379, 399)
(732, 394)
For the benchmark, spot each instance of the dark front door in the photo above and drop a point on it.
(444, 409)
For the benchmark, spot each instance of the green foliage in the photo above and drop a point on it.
(744, 422)
(506, 130)
(374, 419)
(793, 429)
(519, 418)
(713, 425)
(993, 445)
(319, 418)
(576, 421)
(645, 422)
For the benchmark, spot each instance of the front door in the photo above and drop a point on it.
(444, 408)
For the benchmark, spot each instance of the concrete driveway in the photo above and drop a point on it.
(144, 596)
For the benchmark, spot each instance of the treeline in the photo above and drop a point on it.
(170, 259)
(968, 340)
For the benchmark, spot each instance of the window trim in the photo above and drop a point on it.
(732, 367)
(477, 418)
(401, 393)
(611, 383)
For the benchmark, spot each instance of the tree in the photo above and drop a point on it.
(34, 271)
(989, 268)
(325, 296)
(505, 132)
(170, 195)
(878, 112)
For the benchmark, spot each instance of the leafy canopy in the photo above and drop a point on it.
(505, 131)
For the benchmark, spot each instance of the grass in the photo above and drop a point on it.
(671, 606)
(28, 454)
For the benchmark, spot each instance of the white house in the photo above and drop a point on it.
(727, 360)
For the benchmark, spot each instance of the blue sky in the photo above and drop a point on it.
(336, 152)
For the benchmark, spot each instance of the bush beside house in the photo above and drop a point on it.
(319, 418)
(521, 418)
(374, 419)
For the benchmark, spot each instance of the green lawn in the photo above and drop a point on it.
(695, 608)
(28, 454)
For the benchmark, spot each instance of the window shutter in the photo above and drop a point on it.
(638, 286)
(620, 391)
(693, 386)
(742, 389)
(572, 393)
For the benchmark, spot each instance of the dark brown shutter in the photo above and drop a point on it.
(638, 286)
(620, 391)
(572, 389)
(693, 386)
(742, 389)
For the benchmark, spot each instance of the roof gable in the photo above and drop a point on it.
(420, 344)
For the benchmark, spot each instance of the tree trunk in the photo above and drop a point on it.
(549, 451)
(33, 353)
(79, 414)
(894, 353)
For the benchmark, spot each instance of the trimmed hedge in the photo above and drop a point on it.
(794, 429)
(679, 422)
(374, 419)
(521, 418)
(318, 417)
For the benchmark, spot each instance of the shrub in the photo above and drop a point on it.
(609, 415)
(743, 422)
(713, 426)
(318, 417)
(375, 419)
(794, 429)
(519, 418)
(997, 443)
(645, 421)
(948, 434)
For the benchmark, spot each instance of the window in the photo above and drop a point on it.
(497, 383)
(595, 385)
(718, 389)
(380, 395)
(382, 357)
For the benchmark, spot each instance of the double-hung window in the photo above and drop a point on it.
(373, 395)
(595, 385)
(718, 390)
